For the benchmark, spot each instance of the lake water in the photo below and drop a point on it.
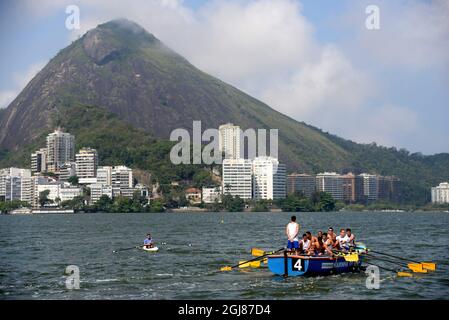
(34, 251)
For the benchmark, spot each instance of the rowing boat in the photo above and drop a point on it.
(303, 265)
(153, 249)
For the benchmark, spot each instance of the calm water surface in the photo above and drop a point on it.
(34, 251)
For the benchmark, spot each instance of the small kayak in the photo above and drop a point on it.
(153, 249)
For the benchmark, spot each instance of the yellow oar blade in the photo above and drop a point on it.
(255, 264)
(225, 269)
(257, 252)
(354, 257)
(405, 274)
(429, 266)
(416, 267)
(243, 264)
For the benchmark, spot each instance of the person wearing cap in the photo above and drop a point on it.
(148, 242)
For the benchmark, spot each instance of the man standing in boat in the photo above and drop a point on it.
(292, 231)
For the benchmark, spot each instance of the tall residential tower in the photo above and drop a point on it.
(60, 149)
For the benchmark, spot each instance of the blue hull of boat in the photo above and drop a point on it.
(294, 265)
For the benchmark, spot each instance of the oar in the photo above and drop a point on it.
(415, 267)
(259, 252)
(354, 257)
(227, 268)
(118, 250)
(426, 265)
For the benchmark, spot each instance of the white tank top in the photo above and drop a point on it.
(305, 244)
(292, 232)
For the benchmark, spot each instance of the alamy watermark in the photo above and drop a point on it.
(190, 150)
(372, 21)
(73, 19)
(373, 277)
(72, 282)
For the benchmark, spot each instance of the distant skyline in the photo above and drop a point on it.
(313, 60)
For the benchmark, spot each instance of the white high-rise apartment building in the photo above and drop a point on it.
(86, 163)
(39, 161)
(15, 184)
(229, 140)
(104, 175)
(440, 194)
(122, 181)
(268, 179)
(60, 149)
(237, 178)
(330, 182)
(370, 186)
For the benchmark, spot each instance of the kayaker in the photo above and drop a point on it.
(148, 242)
(292, 231)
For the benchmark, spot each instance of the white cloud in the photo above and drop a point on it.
(386, 124)
(269, 49)
(322, 91)
(413, 34)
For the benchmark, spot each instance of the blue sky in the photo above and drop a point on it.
(327, 69)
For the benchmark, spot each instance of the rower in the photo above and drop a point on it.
(350, 238)
(148, 242)
(304, 244)
(328, 244)
(331, 235)
(292, 231)
(313, 242)
(342, 241)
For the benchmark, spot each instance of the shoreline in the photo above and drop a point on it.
(202, 210)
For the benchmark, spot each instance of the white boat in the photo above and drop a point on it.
(153, 249)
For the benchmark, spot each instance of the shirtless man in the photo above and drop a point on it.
(319, 245)
(292, 231)
(331, 235)
(313, 242)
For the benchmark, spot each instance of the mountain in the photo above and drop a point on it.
(125, 70)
